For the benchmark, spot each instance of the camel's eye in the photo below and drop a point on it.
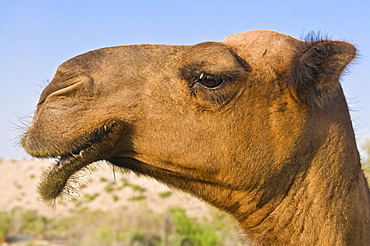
(210, 80)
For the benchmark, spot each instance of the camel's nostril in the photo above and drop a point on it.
(65, 90)
(68, 87)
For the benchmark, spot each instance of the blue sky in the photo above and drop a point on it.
(37, 36)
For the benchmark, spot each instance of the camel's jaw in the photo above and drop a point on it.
(98, 144)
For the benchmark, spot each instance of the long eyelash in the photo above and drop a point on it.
(192, 72)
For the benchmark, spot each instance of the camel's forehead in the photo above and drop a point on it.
(128, 52)
(247, 44)
(257, 38)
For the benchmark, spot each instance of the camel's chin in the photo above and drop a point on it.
(59, 178)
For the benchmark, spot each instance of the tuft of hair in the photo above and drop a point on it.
(314, 36)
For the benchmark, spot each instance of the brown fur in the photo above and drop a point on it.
(256, 125)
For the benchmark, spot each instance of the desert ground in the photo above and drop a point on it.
(101, 188)
(19, 180)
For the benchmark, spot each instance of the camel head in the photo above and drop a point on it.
(239, 123)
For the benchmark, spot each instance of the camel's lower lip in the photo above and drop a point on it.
(67, 164)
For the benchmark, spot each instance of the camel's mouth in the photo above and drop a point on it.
(98, 146)
(80, 153)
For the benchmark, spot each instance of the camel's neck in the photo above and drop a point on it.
(327, 204)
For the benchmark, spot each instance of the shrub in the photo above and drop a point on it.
(366, 159)
(137, 198)
(137, 187)
(192, 233)
(4, 226)
(91, 198)
(165, 194)
(115, 198)
(109, 189)
(366, 148)
(34, 224)
(105, 236)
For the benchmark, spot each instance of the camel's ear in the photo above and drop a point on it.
(316, 69)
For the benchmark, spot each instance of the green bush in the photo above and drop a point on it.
(165, 194)
(139, 237)
(91, 198)
(366, 148)
(136, 187)
(109, 189)
(115, 198)
(105, 236)
(34, 224)
(192, 233)
(137, 198)
(102, 179)
(366, 159)
(4, 226)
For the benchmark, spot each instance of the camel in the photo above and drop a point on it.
(256, 125)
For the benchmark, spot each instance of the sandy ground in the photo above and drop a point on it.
(103, 189)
